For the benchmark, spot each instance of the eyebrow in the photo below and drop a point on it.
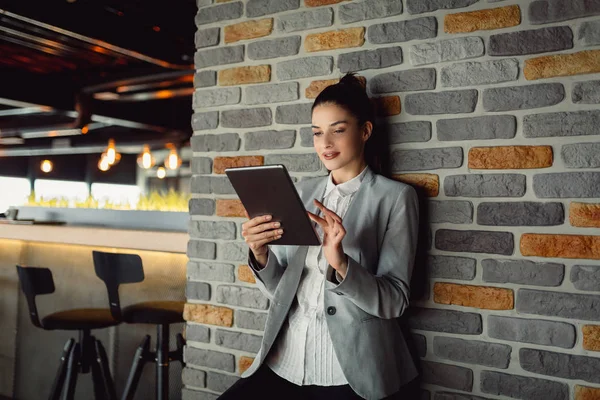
(333, 124)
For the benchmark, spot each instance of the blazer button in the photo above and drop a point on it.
(331, 310)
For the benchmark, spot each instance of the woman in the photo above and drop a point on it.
(331, 332)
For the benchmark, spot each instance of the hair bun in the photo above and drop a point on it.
(351, 79)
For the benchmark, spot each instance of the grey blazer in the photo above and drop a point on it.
(381, 240)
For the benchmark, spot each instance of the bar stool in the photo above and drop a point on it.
(114, 269)
(87, 353)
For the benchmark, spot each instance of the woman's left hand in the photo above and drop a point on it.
(333, 233)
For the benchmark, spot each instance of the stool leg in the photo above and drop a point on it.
(61, 374)
(109, 385)
(72, 371)
(97, 378)
(139, 359)
(162, 362)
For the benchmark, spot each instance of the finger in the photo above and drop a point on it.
(327, 211)
(317, 219)
(258, 237)
(262, 227)
(258, 220)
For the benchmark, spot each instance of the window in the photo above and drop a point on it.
(13, 192)
(51, 189)
(116, 194)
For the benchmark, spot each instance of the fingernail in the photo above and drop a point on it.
(280, 231)
(277, 224)
(268, 217)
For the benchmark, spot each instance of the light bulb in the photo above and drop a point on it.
(103, 164)
(161, 173)
(46, 166)
(173, 160)
(111, 153)
(145, 159)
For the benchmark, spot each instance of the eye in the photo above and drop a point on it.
(339, 131)
(317, 133)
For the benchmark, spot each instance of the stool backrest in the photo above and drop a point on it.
(35, 281)
(116, 269)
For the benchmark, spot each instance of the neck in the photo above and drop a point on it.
(348, 172)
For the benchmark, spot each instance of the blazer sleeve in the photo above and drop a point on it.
(386, 295)
(268, 277)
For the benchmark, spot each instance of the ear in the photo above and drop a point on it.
(367, 131)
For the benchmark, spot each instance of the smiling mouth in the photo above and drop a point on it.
(330, 155)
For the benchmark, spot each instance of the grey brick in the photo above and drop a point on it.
(294, 114)
(560, 365)
(257, 8)
(201, 165)
(586, 92)
(189, 394)
(217, 97)
(197, 333)
(233, 251)
(368, 9)
(403, 31)
(523, 97)
(246, 118)
(531, 41)
(586, 277)
(242, 296)
(197, 291)
(406, 132)
(304, 67)
(589, 33)
(211, 271)
(581, 155)
(451, 211)
(420, 343)
(201, 206)
(206, 120)
(491, 242)
(209, 358)
(446, 50)
(448, 321)
(370, 59)
(447, 267)
(207, 37)
(250, 320)
(545, 11)
(221, 12)
(205, 79)
(211, 184)
(403, 81)
(238, 340)
(219, 56)
(472, 351)
(526, 213)
(306, 137)
(523, 272)
(521, 387)
(220, 382)
(546, 333)
(282, 47)
(193, 377)
(203, 3)
(222, 142)
(477, 128)
(212, 229)
(450, 102)
(567, 184)
(272, 93)
(480, 73)
(485, 185)
(450, 376)
(577, 123)
(422, 6)
(201, 249)
(457, 396)
(304, 20)
(554, 304)
(418, 160)
(296, 162)
(270, 140)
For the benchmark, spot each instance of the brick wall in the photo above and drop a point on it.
(492, 112)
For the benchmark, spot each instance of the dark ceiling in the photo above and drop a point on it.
(87, 70)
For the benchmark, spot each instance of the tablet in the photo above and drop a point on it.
(269, 190)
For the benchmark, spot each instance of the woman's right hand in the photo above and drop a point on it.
(258, 233)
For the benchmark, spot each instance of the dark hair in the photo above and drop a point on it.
(350, 94)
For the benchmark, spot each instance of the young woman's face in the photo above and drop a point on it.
(337, 137)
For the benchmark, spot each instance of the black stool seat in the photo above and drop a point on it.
(154, 312)
(80, 319)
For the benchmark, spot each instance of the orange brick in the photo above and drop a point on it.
(429, 183)
(586, 393)
(584, 62)
(243, 75)
(510, 157)
(244, 363)
(317, 3)
(490, 298)
(562, 246)
(341, 39)
(221, 163)
(387, 106)
(316, 87)
(248, 30)
(230, 208)
(494, 18)
(585, 215)
(208, 314)
(245, 274)
(591, 337)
